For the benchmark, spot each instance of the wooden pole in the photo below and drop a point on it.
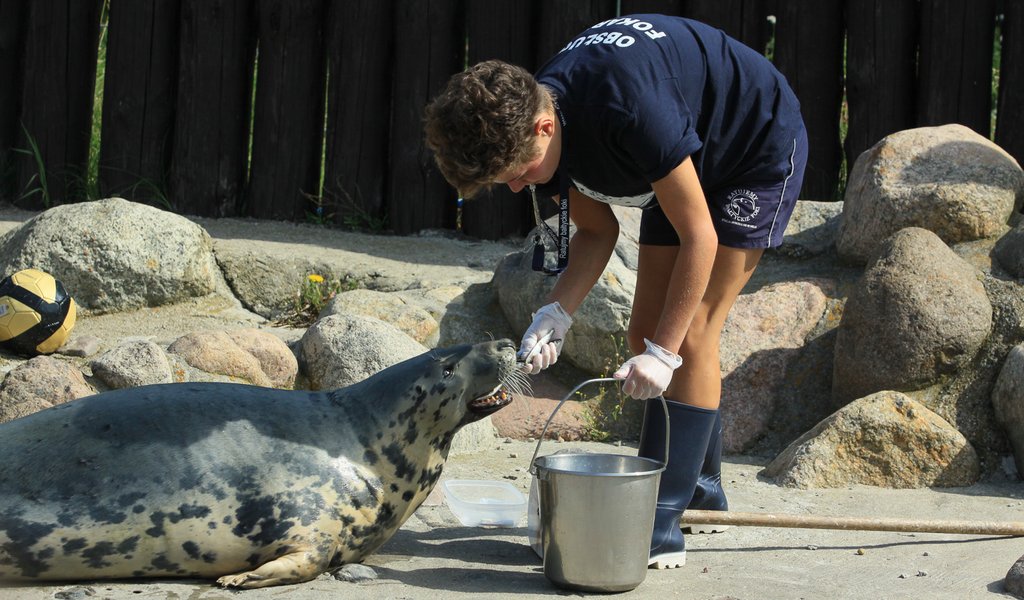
(714, 517)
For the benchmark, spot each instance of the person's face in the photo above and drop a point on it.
(542, 167)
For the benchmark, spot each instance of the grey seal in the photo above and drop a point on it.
(254, 486)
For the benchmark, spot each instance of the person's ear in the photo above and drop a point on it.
(545, 125)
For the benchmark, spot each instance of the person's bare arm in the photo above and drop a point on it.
(597, 230)
(682, 199)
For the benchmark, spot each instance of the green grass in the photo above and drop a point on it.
(90, 183)
(997, 60)
(38, 183)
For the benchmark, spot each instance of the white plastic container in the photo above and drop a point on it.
(483, 502)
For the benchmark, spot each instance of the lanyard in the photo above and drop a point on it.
(561, 238)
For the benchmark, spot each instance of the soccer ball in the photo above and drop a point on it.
(36, 313)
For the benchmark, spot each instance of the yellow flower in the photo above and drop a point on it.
(315, 278)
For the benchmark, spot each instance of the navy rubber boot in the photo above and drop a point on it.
(709, 494)
(690, 431)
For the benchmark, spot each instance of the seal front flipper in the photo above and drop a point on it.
(295, 567)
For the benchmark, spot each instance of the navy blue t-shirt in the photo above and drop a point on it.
(638, 94)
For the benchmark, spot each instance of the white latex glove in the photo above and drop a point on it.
(647, 375)
(552, 319)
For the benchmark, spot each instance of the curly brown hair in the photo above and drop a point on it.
(481, 125)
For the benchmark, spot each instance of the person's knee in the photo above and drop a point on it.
(701, 341)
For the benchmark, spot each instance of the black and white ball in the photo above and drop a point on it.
(36, 313)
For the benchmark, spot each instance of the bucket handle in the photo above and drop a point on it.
(664, 406)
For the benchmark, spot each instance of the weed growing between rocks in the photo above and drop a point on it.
(312, 296)
(611, 414)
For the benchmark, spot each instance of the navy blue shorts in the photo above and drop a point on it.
(745, 215)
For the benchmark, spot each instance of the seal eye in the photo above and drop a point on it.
(448, 371)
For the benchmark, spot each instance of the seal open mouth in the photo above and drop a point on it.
(489, 404)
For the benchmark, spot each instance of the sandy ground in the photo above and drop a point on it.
(434, 556)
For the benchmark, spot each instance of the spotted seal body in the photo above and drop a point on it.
(256, 487)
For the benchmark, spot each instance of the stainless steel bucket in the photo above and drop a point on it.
(596, 515)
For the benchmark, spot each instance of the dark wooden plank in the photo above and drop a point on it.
(429, 37)
(139, 94)
(358, 111)
(60, 66)
(809, 52)
(289, 110)
(12, 29)
(560, 21)
(211, 130)
(500, 29)
(1010, 118)
(881, 58)
(661, 7)
(955, 64)
(745, 20)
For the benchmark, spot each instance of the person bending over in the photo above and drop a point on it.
(700, 133)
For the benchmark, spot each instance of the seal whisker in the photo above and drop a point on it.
(517, 382)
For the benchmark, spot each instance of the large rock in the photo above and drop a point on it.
(885, 440)
(248, 355)
(269, 285)
(340, 350)
(389, 307)
(1014, 581)
(472, 437)
(131, 364)
(276, 359)
(114, 255)
(596, 339)
(1009, 251)
(948, 179)
(39, 383)
(1008, 402)
(463, 314)
(763, 334)
(266, 277)
(965, 399)
(812, 229)
(919, 314)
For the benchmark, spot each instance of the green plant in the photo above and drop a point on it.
(157, 193)
(89, 186)
(143, 189)
(611, 414)
(313, 294)
(997, 61)
(38, 179)
(357, 218)
(769, 47)
(321, 213)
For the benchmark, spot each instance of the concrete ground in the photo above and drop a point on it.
(434, 556)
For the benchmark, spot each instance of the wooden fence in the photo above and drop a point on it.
(298, 109)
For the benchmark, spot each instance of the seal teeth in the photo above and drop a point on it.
(493, 402)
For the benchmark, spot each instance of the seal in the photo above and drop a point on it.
(254, 486)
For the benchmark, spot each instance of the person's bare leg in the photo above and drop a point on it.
(698, 382)
(693, 476)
